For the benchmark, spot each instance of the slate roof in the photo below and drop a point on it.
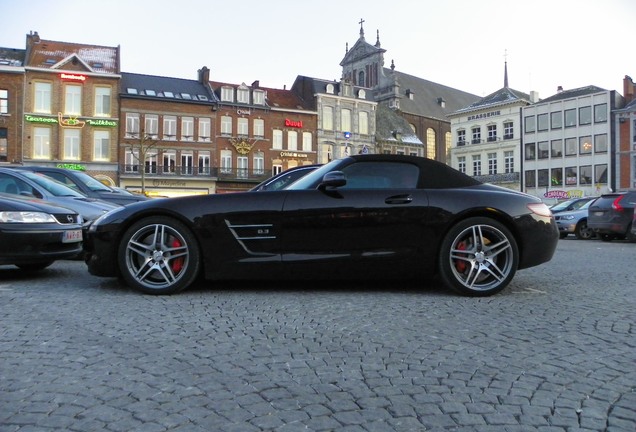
(500, 97)
(274, 98)
(53, 55)
(12, 57)
(388, 121)
(307, 87)
(165, 88)
(427, 96)
(573, 93)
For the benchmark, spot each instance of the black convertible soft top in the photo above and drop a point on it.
(433, 174)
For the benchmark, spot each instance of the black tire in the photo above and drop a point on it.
(607, 237)
(631, 237)
(582, 232)
(34, 267)
(478, 257)
(159, 255)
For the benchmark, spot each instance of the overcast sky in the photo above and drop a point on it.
(458, 43)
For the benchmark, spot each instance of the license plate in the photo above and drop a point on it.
(72, 236)
(598, 213)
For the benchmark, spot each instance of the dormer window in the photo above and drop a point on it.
(330, 88)
(362, 94)
(259, 97)
(243, 95)
(410, 94)
(441, 102)
(227, 94)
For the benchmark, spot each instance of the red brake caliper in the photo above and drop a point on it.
(460, 265)
(177, 264)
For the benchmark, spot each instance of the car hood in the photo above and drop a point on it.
(23, 203)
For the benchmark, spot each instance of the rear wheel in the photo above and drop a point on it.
(582, 232)
(479, 257)
(159, 255)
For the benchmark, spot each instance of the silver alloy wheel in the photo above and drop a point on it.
(481, 258)
(157, 256)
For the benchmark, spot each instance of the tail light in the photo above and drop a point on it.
(616, 204)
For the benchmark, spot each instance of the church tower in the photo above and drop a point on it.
(363, 64)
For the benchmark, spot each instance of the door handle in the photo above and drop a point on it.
(399, 199)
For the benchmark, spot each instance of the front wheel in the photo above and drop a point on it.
(159, 255)
(479, 257)
(582, 232)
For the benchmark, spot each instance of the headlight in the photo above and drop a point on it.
(568, 217)
(26, 217)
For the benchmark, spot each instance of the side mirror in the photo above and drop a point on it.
(333, 179)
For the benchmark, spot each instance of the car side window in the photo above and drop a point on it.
(381, 175)
(14, 186)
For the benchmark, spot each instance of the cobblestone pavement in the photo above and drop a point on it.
(556, 351)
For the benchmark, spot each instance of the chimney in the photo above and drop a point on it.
(256, 84)
(204, 75)
(628, 89)
(534, 96)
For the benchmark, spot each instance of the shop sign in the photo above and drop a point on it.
(562, 194)
(168, 183)
(102, 123)
(293, 154)
(71, 166)
(294, 123)
(242, 145)
(39, 119)
(70, 122)
(73, 77)
(243, 112)
(484, 115)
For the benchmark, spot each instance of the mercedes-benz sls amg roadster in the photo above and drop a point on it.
(364, 216)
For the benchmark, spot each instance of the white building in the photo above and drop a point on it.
(568, 144)
(346, 116)
(487, 136)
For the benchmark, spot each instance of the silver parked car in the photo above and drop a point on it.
(575, 222)
(30, 184)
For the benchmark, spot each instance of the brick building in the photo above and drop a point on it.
(625, 126)
(260, 132)
(167, 139)
(71, 106)
(11, 98)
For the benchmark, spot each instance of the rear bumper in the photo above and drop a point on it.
(608, 227)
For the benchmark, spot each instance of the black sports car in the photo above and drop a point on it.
(364, 216)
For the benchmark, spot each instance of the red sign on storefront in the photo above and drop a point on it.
(293, 123)
(73, 77)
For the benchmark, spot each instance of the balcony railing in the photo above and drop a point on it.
(218, 173)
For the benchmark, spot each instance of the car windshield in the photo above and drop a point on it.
(563, 205)
(93, 184)
(307, 181)
(53, 186)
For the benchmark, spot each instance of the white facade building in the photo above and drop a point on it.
(487, 136)
(568, 144)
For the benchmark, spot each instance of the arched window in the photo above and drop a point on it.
(361, 79)
(447, 141)
(430, 143)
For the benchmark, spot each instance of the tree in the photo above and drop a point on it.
(144, 144)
